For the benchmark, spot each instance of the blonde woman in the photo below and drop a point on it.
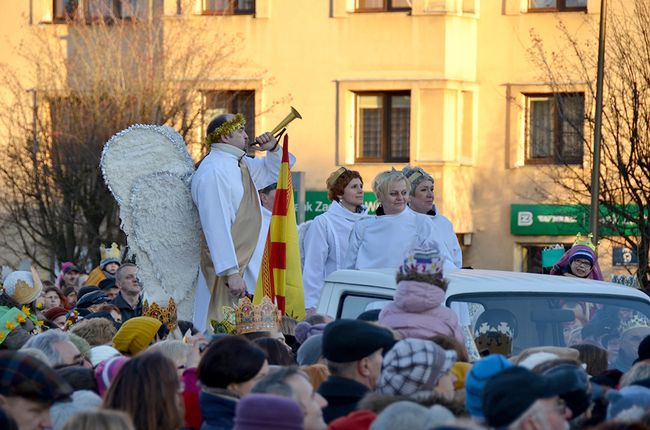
(384, 240)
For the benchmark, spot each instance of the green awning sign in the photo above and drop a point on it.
(316, 203)
(568, 220)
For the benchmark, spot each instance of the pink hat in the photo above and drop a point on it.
(106, 371)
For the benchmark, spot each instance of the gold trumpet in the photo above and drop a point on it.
(279, 129)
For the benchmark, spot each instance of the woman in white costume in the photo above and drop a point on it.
(422, 201)
(326, 238)
(384, 240)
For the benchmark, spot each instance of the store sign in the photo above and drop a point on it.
(316, 203)
(567, 220)
(622, 256)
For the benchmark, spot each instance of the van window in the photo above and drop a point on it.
(511, 323)
(352, 305)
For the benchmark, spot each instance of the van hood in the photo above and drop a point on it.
(413, 296)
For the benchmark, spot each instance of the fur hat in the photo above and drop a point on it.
(414, 365)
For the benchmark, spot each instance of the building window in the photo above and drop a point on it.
(381, 5)
(228, 7)
(554, 128)
(557, 5)
(383, 125)
(64, 9)
(220, 102)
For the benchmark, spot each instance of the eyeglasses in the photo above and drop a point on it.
(582, 263)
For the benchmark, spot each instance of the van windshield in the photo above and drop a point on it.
(510, 323)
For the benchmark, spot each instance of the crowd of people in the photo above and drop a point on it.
(87, 352)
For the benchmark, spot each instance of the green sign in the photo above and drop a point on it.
(569, 220)
(316, 203)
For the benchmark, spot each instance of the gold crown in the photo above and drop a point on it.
(251, 318)
(225, 129)
(585, 241)
(166, 315)
(112, 252)
(336, 175)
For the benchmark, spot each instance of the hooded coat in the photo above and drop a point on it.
(418, 311)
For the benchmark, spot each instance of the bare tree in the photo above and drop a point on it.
(84, 85)
(625, 163)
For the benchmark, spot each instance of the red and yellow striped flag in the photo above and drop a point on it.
(280, 276)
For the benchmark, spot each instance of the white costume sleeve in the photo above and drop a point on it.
(316, 251)
(446, 229)
(216, 213)
(356, 237)
(265, 170)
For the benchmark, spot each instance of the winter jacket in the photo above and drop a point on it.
(418, 311)
(218, 411)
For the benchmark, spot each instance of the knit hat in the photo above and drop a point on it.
(475, 381)
(10, 319)
(101, 353)
(460, 370)
(304, 330)
(512, 391)
(410, 415)
(136, 334)
(268, 412)
(53, 313)
(347, 340)
(629, 404)
(413, 365)
(310, 351)
(357, 420)
(82, 401)
(583, 254)
(22, 286)
(106, 371)
(92, 298)
(22, 375)
(423, 265)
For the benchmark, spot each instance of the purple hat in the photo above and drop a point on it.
(268, 412)
(106, 371)
(304, 331)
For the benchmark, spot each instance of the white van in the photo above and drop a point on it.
(544, 309)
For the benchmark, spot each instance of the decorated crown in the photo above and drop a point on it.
(636, 321)
(423, 262)
(251, 318)
(112, 253)
(23, 286)
(166, 315)
(585, 241)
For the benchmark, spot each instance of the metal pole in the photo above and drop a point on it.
(595, 168)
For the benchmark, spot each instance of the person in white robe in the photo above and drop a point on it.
(325, 241)
(422, 201)
(218, 191)
(384, 240)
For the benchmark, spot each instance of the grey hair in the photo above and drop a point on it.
(276, 383)
(46, 343)
(409, 171)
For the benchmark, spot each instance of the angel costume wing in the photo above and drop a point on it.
(148, 170)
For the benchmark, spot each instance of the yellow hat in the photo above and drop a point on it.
(460, 371)
(135, 335)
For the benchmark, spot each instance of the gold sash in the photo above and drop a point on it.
(244, 232)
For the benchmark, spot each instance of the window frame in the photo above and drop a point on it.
(65, 17)
(560, 7)
(555, 158)
(228, 12)
(385, 132)
(387, 7)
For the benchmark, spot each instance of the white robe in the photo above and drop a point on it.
(448, 239)
(256, 260)
(217, 191)
(384, 241)
(325, 248)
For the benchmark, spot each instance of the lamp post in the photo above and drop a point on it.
(595, 168)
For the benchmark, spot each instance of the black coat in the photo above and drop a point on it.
(342, 396)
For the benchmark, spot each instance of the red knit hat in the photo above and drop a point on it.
(357, 420)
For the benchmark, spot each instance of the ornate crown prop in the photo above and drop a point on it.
(113, 252)
(166, 315)
(248, 318)
(225, 129)
(636, 321)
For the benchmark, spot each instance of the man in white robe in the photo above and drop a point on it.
(217, 191)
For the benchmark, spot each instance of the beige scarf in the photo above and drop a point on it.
(244, 233)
